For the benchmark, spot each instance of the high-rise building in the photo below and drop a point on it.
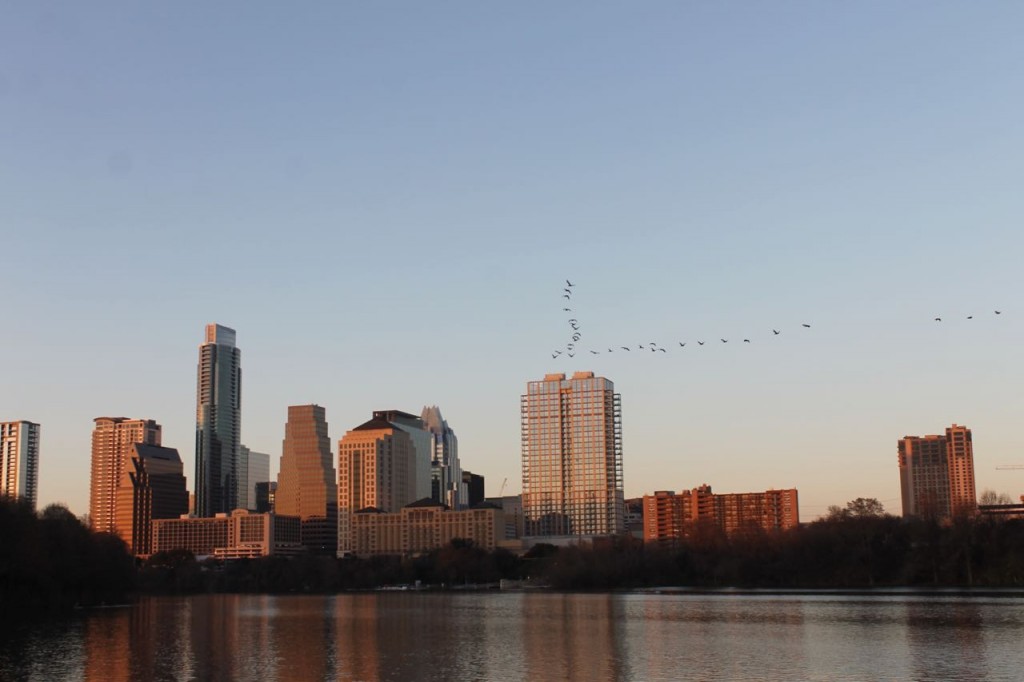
(374, 464)
(265, 493)
(937, 474)
(668, 517)
(572, 456)
(218, 422)
(445, 470)
(19, 460)
(306, 485)
(254, 467)
(422, 441)
(152, 487)
(112, 441)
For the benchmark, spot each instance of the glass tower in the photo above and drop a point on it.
(218, 422)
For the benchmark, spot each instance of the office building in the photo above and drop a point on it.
(113, 439)
(423, 443)
(265, 493)
(152, 487)
(572, 456)
(375, 461)
(446, 484)
(423, 526)
(238, 535)
(307, 485)
(937, 474)
(668, 517)
(218, 422)
(19, 460)
(254, 467)
(473, 484)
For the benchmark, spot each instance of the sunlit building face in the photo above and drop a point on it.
(572, 456)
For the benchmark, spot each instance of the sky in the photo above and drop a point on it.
(385, 201)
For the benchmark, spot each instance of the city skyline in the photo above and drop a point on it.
(392, 199)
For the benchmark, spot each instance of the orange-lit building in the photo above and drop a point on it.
(112, 441)
(424, 526)
(152, 487)
(572, 457)
(238, 535)
(669, 517)
(376, 461)
(307, 485)
(937, 474)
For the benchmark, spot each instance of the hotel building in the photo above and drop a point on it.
(218, 423)
(113, 439)
(937, 474)
(424, 526)
(19, 460)
(230, 536)
(572, 457)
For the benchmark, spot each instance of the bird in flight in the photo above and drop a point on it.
(938, 319)
(609, 350)
(725, 340)
(807, 325)
(776, 332)
(567, 310)
(681, 344)
(569, 283)
(746, 340)
(565, 295)
(596, 352)
(999, 312)
(661, 349)
(700, 343)
(970, 317)
(624, 347)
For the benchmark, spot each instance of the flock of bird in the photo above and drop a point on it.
(573, 345)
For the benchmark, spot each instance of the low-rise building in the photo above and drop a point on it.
(238, 535)
(669, 517)
(423, 526)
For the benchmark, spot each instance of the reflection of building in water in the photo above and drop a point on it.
(572, 456)
(240, 535)
(937, 474)
(572, 637)
(669, 517)
(423, 526)
(304, 637)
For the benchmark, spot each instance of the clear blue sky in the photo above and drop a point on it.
(384, 200)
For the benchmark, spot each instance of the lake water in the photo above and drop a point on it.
(529, 636)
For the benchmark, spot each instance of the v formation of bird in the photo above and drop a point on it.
(572, 346)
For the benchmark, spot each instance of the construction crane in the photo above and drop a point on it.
(501, 492)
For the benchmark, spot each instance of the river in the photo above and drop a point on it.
(407, 637)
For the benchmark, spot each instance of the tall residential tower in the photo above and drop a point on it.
(937, 474)
(572, 456)
(112, 441)
(218, 423)
(19, 460)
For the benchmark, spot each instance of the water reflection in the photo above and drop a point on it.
(529, 636)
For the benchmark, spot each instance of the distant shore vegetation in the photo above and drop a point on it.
(50, 561)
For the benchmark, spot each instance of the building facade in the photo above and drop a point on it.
(473, 484)
(937, 474)
(19, 460)
(572, 456)
(152, 487)
(230, 536)
(113, 441)
(424, 526)
(253, 468)
(307, 483)
(422, 441)
(374, 464)
(266, 491)
(446, 484)
(218, 422)
(669, 517)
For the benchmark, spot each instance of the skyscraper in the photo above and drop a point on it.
(374, 464)
(937, 474)
(19, 460)
(306, 485)
(218, 422)
(445, 469)
(572, 456)
(112, 441)
(253, 467)
(419, 471)
(152, 487)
